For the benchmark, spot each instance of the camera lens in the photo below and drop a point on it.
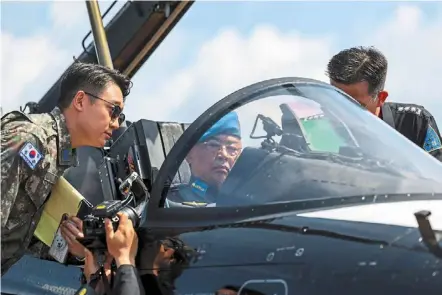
(132, 215)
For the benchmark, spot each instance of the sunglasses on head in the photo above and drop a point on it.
(116, 111)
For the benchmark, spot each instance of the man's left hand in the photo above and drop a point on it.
(71, 229)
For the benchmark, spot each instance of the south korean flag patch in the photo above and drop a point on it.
(31, 155)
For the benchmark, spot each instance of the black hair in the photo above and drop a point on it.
(89, 77)
(358, 64)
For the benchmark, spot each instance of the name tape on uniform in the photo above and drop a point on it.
(30, 154)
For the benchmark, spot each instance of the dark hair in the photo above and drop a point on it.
(92, 78)
(359, 64)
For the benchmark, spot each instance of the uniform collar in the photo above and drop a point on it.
(67, 156)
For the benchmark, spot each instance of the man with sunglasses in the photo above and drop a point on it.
(36, 149)
(210, 161)
(361, 73)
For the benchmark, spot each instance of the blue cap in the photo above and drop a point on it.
(227, 125)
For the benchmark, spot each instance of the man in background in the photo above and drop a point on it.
(361, 72)
(210, 161)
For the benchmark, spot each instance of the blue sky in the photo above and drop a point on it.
(40, 38)
(335, 16)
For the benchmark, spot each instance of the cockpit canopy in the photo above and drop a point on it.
(303, 139)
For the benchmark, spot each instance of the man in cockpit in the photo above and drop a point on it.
(361, 73)
(210, 161)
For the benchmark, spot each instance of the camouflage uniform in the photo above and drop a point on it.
(27, 179)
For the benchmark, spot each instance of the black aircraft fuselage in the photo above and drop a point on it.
(302, 255)
(278, 255)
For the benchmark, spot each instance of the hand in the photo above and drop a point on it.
(122, 244)
(71, 229)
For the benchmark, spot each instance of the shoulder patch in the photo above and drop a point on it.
(432, 141)
(30, 154)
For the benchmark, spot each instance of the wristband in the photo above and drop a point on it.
(80, 259)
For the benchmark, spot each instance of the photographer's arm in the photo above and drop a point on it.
(123, 245)
(94, 284)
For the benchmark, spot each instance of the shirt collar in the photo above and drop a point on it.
(67, 156)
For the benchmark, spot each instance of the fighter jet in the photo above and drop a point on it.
(327, 200)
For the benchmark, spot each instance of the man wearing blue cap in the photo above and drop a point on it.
(210, 161)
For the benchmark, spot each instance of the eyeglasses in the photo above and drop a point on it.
(213, 146)
(116, 111)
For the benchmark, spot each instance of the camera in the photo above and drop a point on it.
(135, 155)
(135, 196)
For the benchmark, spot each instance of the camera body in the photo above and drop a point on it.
(94, 227)
(132, 205)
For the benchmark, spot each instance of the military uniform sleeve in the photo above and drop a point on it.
(14, 168)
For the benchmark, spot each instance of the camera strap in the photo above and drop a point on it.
(106, 284)
(100, 274)
(95, 279)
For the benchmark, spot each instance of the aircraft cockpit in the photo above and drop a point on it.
(297, 140)
(293, 187)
